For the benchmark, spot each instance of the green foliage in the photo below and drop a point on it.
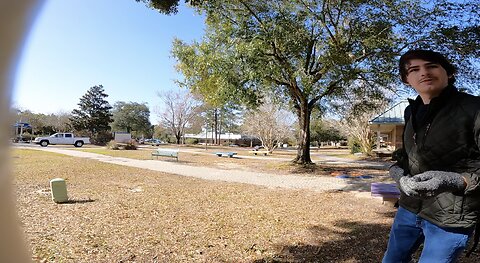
(317, 51)
(324, 131)
(326, 134)
(212, 74)
(168, 139)
(163, 6)
(93, 115)
(224, 119)
(101, 137)
(227, 118)
(191, 141)
(454, 30)
(161, 133)
(167, 6)
(26, 136)
(43, 124)
(354, 146)
(131, 116)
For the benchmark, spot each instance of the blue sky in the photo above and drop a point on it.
(120, 44)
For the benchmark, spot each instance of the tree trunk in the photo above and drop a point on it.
(303, 151)
(219, 131)
(215, 117)
(178, 136)
(365, 143)
(213, 133)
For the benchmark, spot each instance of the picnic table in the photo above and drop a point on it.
(264, 152)
(389, 192)
(229, 154)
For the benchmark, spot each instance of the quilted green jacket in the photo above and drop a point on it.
(448, 140)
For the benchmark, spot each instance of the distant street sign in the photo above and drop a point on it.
(23, 125)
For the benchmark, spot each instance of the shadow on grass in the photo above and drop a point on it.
(327, 169)
(172, 160)
(79, 201)
(348, 242)
(362, 185)
(354, 165)
(357, 178)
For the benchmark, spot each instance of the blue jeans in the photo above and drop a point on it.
(409, 231)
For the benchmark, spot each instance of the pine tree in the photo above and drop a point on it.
(93, 115)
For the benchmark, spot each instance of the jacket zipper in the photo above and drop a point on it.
(424, 136)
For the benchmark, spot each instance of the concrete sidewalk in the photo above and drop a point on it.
(319, 184)
(316, 158)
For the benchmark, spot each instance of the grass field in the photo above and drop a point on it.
(123, 214)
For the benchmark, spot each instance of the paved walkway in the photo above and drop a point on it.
(316, 157)
(319, 184)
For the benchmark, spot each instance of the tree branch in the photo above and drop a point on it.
(309, 49)
(250, 10)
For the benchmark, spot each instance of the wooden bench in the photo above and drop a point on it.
(264, 152)
(382, 153)
(389, 192)
(165, 153)
(229, 154)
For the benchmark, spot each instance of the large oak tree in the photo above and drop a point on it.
(312, 52)
(132, 117)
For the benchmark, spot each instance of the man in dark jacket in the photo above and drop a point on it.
(439, 172)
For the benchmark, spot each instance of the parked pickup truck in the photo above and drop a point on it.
(62, 138)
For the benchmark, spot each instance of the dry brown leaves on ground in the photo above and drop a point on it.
(123, 214)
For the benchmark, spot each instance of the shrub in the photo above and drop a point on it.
(191, 141)
(354, 146)
(27, 136)
(131, 145)
(101, 138)
(113, 145)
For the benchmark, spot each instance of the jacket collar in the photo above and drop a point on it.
(436, 102)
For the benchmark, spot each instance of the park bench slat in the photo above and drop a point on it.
(165, 153)
(229, 154)
(259, 152)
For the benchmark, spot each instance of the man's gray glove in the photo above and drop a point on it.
(432, 183)
(396, 173)
(403, 182)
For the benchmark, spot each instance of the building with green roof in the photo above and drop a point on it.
(389, 128)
